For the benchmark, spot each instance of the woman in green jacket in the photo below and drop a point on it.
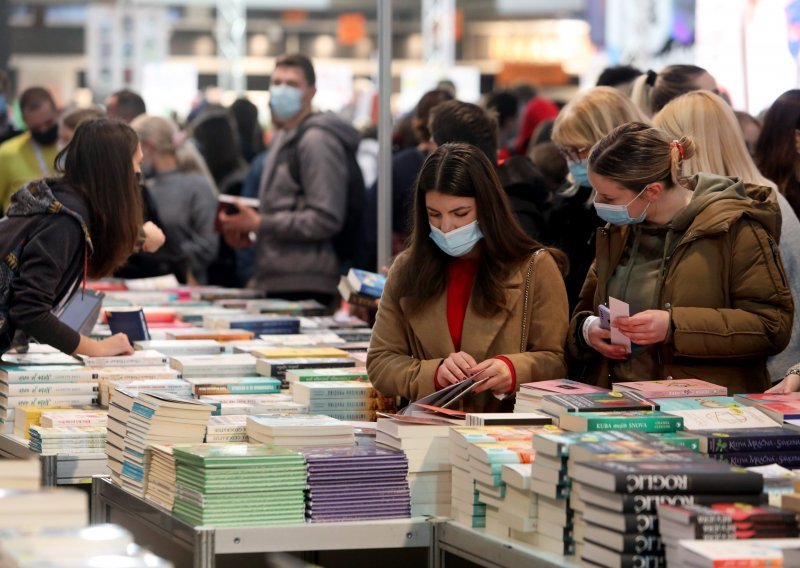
(696, 259)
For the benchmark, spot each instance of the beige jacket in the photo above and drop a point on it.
(407, 349)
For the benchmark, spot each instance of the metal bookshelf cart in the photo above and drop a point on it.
(158, 530)
(56, 469)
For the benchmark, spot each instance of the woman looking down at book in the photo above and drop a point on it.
(471, 294)
(60, 231)
(697, 261)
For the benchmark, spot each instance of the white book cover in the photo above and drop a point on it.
(142, 358)
(718, 419)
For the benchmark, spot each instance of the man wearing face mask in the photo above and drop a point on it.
(30, 155)
(300, 211)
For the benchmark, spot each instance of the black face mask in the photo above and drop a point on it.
(47, 137)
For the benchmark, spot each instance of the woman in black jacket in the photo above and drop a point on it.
(60, 231)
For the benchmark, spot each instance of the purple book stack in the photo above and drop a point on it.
(356, 483)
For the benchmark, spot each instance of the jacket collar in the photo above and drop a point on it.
(430, 323)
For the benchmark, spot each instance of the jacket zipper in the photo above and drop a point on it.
(775, 258)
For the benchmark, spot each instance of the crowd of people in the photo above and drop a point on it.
(514, 222)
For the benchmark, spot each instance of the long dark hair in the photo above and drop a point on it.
(98, 163)
(775, 150)
(463, 170)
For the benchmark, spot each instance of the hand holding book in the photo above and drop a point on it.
(497, 374)
(457, 367)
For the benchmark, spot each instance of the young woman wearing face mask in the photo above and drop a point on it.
(472, 293)
(697, 259)
(572, 223)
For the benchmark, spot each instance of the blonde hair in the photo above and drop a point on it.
(636, 154)
(163, 135)
(714, 126)
(593, 114)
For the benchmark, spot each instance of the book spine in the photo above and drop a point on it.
(53, 401)
(641, 424)
(71, 421)
(33, 377)
(44, 389)
(216, 430)
(686, 483)
(232, 437)
(642, 503)
(236, 389)
(130, 361)
(363, 404)
(789, 460)
(727, 444)
(321, 378)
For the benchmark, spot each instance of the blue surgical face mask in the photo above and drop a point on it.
(457, 242)
(579, 172)
(286, 101)
(618, 214)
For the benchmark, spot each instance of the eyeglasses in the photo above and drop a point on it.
(572, 153)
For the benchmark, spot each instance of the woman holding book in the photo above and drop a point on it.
(471, 294)
(697, 261)
(60, 231)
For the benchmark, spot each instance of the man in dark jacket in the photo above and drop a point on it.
(299, 214)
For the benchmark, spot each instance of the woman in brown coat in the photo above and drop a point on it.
(455, 302)
(697, 259)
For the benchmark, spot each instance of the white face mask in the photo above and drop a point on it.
(457, 242)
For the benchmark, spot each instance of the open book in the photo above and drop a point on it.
(446, 397)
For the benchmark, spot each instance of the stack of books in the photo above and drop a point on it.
(285, 307)
(323, 338)
(775, 552)
(157, 418)
(161, 475)
(20, 474)
(239, 485)
(191, 366)
(233, 404)
(139, 358)
(530, 395)
(226, 429)
(157, 377)
(258, 324)
(215, 334)
(356, 483)
(43, 508)
(278, 367)
(362, 288)
(299, 430)
(117, 429)
(721, 521)
(27, 416)
(782, 408)
(752, 446)
(174, 348)
(345, 400)
(672, 388)
(698, 416)
(177, 387)
(68, 440)
(611, 535)
(299, 353)
(44, 386)
(518, 516)
(426, 449)
(233, 385)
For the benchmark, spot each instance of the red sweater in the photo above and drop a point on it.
(460, 280)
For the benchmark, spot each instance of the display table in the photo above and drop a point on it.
(160, 531)
(56, 469)
(486, 550)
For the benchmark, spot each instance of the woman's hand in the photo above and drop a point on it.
(153, 237)
(789, 384)
(117, 344)
(645, 328)
(598, 339)
(498, 373)
(456, 368)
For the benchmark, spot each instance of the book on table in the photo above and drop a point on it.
(672, 388)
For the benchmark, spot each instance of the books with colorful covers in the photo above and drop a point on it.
(780, 411)
(173, 347)
(257, 323)
(350, 296)
(130, 321)
(760, 398)
(313, 375)
(299, 430)
(141, 358)
(721, 419)
(239, 485)
(68, 440)
(356, 483)
(748, 440)
(233, 385)
(642, 420)
(696, 403)
(558, 404)
(366, 283)
(241, 365)
(672, 388)
(530, 395)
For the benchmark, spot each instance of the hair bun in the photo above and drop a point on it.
(651, 77)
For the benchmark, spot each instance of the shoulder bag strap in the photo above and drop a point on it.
(523, 345)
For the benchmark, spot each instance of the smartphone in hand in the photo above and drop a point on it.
(605, 317)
